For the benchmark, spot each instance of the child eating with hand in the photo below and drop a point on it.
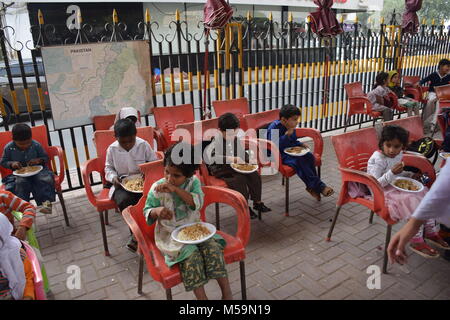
(385, 165)
(305, 165)
(226, 148)
(176, 200)
(21, 152)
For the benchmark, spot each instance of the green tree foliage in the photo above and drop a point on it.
(431, 9)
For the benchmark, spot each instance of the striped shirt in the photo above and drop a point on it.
(9, 203)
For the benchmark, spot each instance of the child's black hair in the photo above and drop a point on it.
(444, 62)
(124, 128)
(228, 121)
(188, 167)
(394, 132)
(289, 110)
(21, 132)
(380, 79)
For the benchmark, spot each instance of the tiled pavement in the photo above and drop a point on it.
(287, 257)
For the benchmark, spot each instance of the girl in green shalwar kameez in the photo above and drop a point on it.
(174, 201)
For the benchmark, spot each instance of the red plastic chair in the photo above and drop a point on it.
(396, 105)
(353, 151)
(103, 122)
(38, 280)
(101, 201)
(258, 120)
(167, 118)
(443, 94)
(156, 266)
(39, 134)
(198, 131)
(414, 126)
(416, 92)
(358, 103)
(239, 107)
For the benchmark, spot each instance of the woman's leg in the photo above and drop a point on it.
(212, 253)
(193, 275)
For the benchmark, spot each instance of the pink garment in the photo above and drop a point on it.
(401, 204)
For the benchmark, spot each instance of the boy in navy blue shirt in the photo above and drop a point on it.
(441, 77)
(305, 165)
(24, 151)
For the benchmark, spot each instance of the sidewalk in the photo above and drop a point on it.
(287, 257)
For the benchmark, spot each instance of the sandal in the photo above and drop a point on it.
(327, 191)
(424, 250)
(437, 241)
(314, 194)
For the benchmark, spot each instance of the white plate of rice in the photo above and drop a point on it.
(407, 184)
(194, 233)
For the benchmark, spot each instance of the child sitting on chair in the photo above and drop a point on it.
(226, 148)
(440, 77)
(16, 272)
(122, 159)
(385, 165)
(411, 105)
(21, 152)
(305, 165)
(378, 94)
(176, 200)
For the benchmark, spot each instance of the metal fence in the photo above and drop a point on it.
(269, 63)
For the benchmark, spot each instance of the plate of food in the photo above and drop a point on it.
(298, 151)
(194, 233)
(444, 155)
(27, 171)
(133, 183)
(407, 184)
(245, 168)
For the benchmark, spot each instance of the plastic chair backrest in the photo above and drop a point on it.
(38, 280)
(261, 119)
(39, 133)
(443, 92)
(103, 122)
(353, 149)
(153, 172)
(238, 106)
(412, 124)
(167, 118)
(104, 138)
(199, 130)
(410, 80)
(354, 90)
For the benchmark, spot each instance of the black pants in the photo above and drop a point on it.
(124, 199)
(246, 184)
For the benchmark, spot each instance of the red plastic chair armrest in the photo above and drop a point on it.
(57, 151)
(262, 146)
(235, 200)
(351, 175)
(87, 168)
(422, 164)
(439, 143)
(315, 135)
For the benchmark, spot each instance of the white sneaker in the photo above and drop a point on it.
(46, 207)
